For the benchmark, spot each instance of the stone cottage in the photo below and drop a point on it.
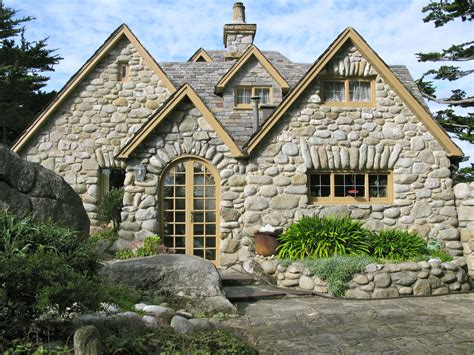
(211, 149)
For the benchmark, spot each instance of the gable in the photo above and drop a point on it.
(120, 34)
(200, 56)
(329, 62)
(168, 107)
(251, 52)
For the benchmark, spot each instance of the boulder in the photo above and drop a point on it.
(189, 281)
(87, 341)
(28, 189)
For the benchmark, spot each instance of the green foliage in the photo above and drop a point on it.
(47, 273)
(322, 237)
(33, 349)
(337, 270)
(459, 123)
(397, 245)
(441, 255)
(165, 340)
(110, 208)
(151, 246)
(22, 64)
(104, 234)
(464, 174)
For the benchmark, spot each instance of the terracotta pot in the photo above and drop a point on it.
(265, 243)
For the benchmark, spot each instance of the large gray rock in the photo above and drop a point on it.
(29, 189)
(191, 282)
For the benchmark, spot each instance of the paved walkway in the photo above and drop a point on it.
(313, 325)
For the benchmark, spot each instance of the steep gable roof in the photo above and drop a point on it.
(349, 34)
(250, 52)
(200, 54)
(121, 32)
(184, 91)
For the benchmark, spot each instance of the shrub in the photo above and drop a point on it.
(337, 270)
(397, 245)
(110, 208)
(322, 237)
(165, 341)
(151, 246)
(441, 255)
(46, 272)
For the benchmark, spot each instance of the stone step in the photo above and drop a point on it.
(253, 293)
(236, 279)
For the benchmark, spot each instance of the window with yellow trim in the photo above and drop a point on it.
(243, 95)
(359, 92)
(350, 187)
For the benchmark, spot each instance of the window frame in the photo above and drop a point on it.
(346, 81)
(252, 93)
(333, 200)
(120, 77)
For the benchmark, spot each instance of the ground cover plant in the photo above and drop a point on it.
(397, 245)
(152, 245)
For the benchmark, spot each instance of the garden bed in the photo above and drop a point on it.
(374, 281)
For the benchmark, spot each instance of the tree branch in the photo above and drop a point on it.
(469, 100)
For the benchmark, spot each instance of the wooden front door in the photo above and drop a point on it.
(190, 208)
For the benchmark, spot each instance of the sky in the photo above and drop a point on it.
(172, 30)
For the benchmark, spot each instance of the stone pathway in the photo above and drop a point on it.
(313, 325)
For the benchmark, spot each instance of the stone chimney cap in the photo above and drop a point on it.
(239, 12)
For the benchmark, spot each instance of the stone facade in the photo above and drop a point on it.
(465, 208)
(86, 133)
(378, 280)
(269, 185)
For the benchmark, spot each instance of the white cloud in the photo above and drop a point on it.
(302, 30)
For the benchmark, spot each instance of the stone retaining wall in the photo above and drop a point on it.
(379, 280)
(464, 194)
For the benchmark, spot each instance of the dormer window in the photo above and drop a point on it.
(243, 96)
(123, 70)
(350, 92)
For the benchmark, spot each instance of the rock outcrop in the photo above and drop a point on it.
(189, 281)
(29, 189)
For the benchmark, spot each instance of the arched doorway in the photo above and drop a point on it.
(189, 203)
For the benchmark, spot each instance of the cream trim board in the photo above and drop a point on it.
(250, 52)
(185, 91)
(349, 34)
(121, 32)
(201, 53)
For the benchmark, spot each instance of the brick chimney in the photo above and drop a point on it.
(238, 35)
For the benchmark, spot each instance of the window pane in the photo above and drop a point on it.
(319, 185)
(264, 94)
(349, 185)
(333, 91)
(359, 91)
(378, 185)
(211, 254)
(242, 96)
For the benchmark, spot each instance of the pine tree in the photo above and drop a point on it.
(22, 64)
(441, 13)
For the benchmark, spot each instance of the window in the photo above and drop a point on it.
(350, 187)
(358, 92)
(110, 179)
(243, 96)
(123, 71)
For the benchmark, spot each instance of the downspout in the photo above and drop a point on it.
(255, 121)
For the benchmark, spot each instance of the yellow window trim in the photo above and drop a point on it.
(253, 88)
(332, 200)
(250, 52)
(121, 32)
(346, 102)
(200, 53)
(185, 91)
(349, 34)
(127, 72)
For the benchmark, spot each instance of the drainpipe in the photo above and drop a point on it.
(255, 123)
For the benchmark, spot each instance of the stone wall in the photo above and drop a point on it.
(240, 120)
(379, 280)
(89, 128)
(465, 207)
(184, 133)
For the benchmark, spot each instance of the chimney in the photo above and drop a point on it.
(238, 35)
